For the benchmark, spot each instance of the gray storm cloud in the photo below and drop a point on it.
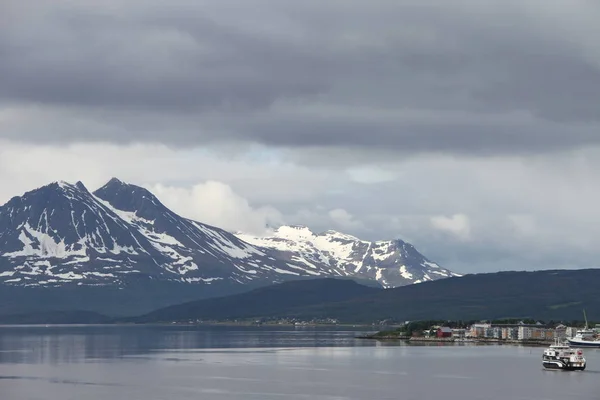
(496, 77)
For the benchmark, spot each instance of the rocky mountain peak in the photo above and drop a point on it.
(391, 263)
(131, 198)
(62, 234)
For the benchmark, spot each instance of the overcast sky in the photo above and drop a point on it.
(468, 128)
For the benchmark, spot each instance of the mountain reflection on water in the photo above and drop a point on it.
(63, 344)
(210, 363)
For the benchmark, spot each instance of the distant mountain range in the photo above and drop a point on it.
(549, 295)
(281, 300)
(120, 249)
(391, 263)
(546, 295)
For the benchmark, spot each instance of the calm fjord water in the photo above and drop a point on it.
(176, 363)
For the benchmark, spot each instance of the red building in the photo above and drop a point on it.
(444, 331)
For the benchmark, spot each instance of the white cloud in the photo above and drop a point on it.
(458, 225)
(476, 127)
(344, 220)
(371, 174)
(259, 179)
(515, 213)
(215, 203)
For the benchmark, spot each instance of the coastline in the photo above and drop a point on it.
(531, 342)
(186, 324)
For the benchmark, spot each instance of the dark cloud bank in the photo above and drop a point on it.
(491, 78)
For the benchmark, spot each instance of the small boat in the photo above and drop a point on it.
(563, 356)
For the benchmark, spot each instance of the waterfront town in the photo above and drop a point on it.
(510, 332)
(496, 331)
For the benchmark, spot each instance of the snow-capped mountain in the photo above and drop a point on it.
(62, 234)
(391, 263)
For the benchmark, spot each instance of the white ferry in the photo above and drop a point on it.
(585, 337)
(562, 356)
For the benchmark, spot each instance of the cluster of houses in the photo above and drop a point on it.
(519, 331)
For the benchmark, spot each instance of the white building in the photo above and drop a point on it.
(480, 330)
(525, 333)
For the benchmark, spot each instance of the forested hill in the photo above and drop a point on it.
(556, 294)
(275, 300)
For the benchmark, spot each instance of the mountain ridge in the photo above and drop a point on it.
(121, 236)
(353, 256)
(66, 233)
(485, 296)
(271, 300)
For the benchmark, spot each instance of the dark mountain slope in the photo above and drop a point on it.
(559, 294)
(556, 294)
(120, 251)
(198, 252)
(134, 298)
(59, 234)
(271, 300)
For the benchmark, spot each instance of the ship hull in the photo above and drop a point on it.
(585, 343)
(560, 366)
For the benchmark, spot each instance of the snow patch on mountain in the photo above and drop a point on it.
(62, 233)
(404, 273)
(391, 263)
(40, 244)
(302, 240)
